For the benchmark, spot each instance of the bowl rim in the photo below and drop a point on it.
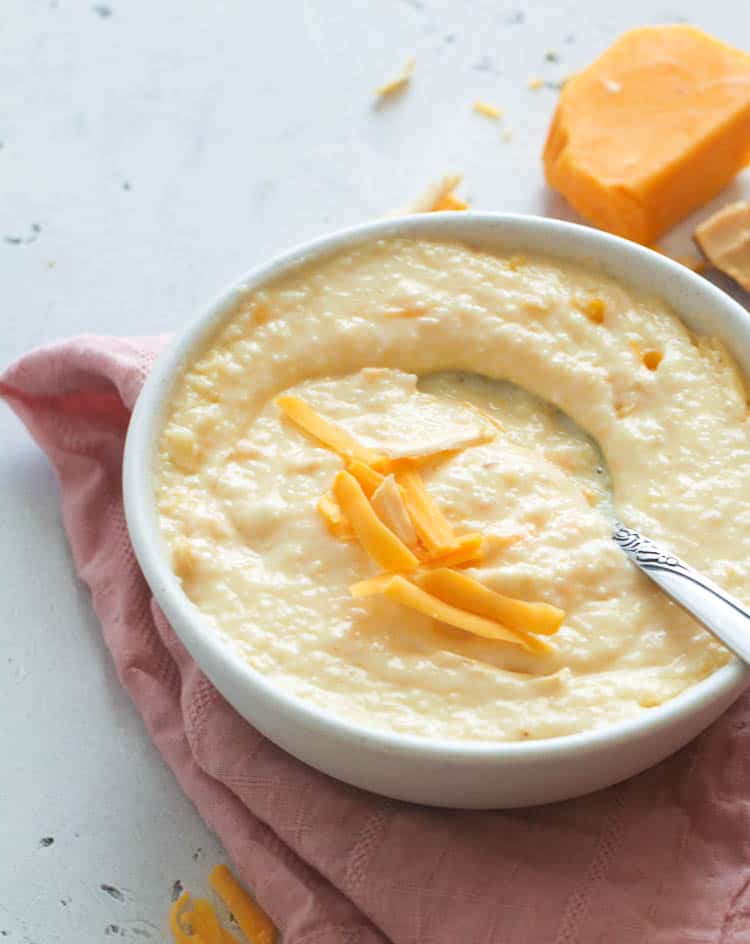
(142, 518)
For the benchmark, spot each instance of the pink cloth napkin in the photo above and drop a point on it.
(664, 857)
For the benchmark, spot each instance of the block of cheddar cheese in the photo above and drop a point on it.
(651, 130)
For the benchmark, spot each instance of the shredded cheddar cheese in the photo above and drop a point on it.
(408, 594)
(206, 924)
(194, 921)
(336, 523)
(451, 202)
(367, 477)
(398, 83)
(489, 111)
(180, 933)
(432, 526)
(253, 921)
(371, 586)
(331, 436)
(383, 546)
(383, 503)
(439, 196)
(468, 549)
(498, 542)
(463, 591)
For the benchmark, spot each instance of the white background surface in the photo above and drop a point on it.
(163, 147)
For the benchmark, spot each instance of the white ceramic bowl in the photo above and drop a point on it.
(443, 773)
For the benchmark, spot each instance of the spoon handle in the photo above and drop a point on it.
(720, 612)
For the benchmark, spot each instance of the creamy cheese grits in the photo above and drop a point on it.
(376, 486)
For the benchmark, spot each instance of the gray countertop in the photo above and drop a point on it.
(152, 150)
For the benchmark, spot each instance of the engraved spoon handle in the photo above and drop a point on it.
(720, 612)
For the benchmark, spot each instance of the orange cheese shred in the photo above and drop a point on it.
(408, 594)
(440, 195)
(180, 933)
(383, 546)
(330, 435)
(253, 921)
(431, 524)
(488, 110)
(371, 586)
(200, 925)
(367, 477)
(400, 82)
(494, 543)
(468, 549)
(338, 526)
(206, 924)
(451, 202)
(463, 591)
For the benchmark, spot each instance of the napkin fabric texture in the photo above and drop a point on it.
(662, 858)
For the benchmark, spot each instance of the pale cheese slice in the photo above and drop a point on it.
(725, 239)
(390, 507)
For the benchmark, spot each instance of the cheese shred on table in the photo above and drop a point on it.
(489, 111)
(399, 82)
(195, 921)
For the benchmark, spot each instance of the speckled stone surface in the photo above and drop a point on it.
(150, 151)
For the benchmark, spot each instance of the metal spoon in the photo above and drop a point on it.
(719, 611)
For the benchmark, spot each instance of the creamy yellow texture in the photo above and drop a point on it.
(238, 484)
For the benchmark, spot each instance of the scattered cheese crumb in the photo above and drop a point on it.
(507, 134)
(438, 196)
(253, 921)
(489, 111)
(535, 84)
(652, 358)
(398, 83)
(452, 202)
(593, 308)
